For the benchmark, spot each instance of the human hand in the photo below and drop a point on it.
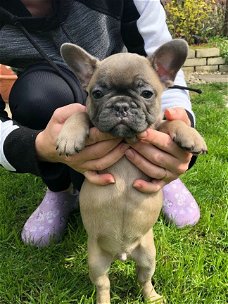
(177, 114)
(158, 156)
(101, 151)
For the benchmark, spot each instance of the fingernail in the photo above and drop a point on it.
(137, 185)
(124, 147)
(171, 111)
(142, 135)
(130, 154)
(109, 178)
(111, 181)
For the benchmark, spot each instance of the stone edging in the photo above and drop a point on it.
(205, 60)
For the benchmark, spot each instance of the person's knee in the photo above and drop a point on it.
(36, 95)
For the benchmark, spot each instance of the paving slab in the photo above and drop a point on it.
(214, 77)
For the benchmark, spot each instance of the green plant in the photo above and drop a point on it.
(222, 44)
(191, 262)
(189, 18)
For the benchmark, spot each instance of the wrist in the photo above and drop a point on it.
(44, 151)
(20, 152)
(191, 118)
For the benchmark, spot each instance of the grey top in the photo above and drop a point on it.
(102, 27)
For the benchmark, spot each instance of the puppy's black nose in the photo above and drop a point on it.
(121, 109)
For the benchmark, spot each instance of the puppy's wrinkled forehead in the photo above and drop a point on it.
(125, 71)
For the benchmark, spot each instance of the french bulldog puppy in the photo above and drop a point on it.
(124, 98)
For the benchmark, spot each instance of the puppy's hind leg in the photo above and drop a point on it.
(99, 263)
(144, 256)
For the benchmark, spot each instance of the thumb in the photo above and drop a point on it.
(61, 114)
(177, 114)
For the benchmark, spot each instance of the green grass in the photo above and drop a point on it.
(191, 262)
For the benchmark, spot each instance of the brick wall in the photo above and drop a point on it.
(205, 60)
(7, 79)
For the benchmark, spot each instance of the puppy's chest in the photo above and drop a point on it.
(117, 214)
(125, 173)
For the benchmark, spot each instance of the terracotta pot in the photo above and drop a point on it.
(7, 79)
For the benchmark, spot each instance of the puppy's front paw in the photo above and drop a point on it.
(190, 140)
(68, 143)
(73, 135)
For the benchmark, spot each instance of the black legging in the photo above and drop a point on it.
(34, 97)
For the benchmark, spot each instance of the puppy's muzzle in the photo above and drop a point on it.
(121, 109)
(120, 116)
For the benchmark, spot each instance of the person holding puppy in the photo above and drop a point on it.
(47, 93)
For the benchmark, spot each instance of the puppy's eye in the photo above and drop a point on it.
(147, 94)
(97, 94)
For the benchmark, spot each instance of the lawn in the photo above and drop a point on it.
(191, 263)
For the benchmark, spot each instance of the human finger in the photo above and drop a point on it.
(152, 167)
(147, 157)
(163, 142)
(92, 152)
(147, 167)
(106, 161)
(96, 136)
(149, 187)
(177, 114)
(61, 114)
(99, 179)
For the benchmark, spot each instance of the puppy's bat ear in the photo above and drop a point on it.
(82, 63)
(168, 59)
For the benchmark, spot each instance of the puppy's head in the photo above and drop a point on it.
(124, 90)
